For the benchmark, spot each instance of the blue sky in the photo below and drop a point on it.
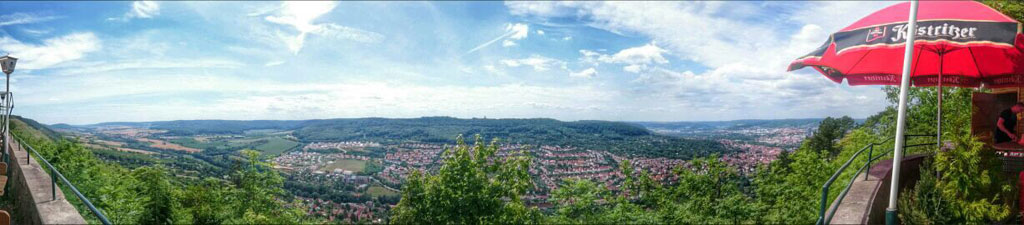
(89, 62)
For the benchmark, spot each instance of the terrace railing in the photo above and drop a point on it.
(55, 175)
(826, 219)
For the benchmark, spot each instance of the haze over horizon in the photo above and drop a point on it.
(85, 63)
(626, 121)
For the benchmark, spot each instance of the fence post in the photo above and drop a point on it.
(871, 148)
(824, 198)
(53, 182)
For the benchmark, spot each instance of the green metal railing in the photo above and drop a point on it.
(822, 218)
(54, 175)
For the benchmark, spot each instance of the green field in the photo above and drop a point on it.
(193, 143)
(377, 191)
(353, 165)
(276, 145)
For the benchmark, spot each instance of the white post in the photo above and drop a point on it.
(901, 119)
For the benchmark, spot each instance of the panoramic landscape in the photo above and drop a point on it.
(354, 169)
(321, 112)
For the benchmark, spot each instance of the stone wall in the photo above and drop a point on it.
(31, 188)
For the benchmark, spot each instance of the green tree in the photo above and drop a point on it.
(710, 192)
(473, 186)
(206, 202)
(157, 193)
(829, 132)
(257, 193)
(964, 185)
(580, 202)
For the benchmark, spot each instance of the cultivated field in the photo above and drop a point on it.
(353, 165)
(376, 191)
(161, 144)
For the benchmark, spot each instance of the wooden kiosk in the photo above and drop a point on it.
(985, 109)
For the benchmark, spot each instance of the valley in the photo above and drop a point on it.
(353, 169)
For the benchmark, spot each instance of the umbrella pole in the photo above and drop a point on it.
(938, 132)
(901, 118)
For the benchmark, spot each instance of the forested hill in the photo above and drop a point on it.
(618, 137)
(732, 124)
(43, 130)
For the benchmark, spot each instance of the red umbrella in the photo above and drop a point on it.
(965, 42)
(957, 43)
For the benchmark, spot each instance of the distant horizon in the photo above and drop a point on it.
(625, 121)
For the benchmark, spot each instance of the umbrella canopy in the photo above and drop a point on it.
(965, 42)
(955, 43)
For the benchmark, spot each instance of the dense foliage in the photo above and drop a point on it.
(152, 195)
(829, 132)
(963, 184)
(472, 187)
(786, 191)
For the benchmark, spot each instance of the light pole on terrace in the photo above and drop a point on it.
(7, 64)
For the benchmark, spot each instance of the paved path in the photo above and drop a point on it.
(859, 205)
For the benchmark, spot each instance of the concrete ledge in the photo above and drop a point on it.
(867, 199)
(31, 187)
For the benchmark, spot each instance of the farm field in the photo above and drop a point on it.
(276, 145)
(376, 191)
(272, 145)
(168, 145)
(353, 165)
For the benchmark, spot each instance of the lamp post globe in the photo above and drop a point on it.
(7, 64)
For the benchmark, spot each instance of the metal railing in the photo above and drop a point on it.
(822, 219)
(55, 174)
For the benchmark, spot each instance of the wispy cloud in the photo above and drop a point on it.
(539, 63)
(300, 17)
(140, 10)
(586, 73)
(146, 64)
(52, 51)
(512, 31)
(273, 63)
(23, 18)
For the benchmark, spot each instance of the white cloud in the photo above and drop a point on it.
(299, 15)
(508, 43)
(95, 67)
(518, 31)
(513, 32)
(144, 9)
(52, 51)
(587, 73)
(241, 98)
(23, 18)
(635, 68)
(637, 59)
(646, 54)
(745, 58)
(36, 32)
(539, 63)
(273, 63)
(567, 38)
(540, 32)
(140, 10)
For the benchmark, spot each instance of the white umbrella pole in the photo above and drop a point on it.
(938, 132)
(901, 126)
